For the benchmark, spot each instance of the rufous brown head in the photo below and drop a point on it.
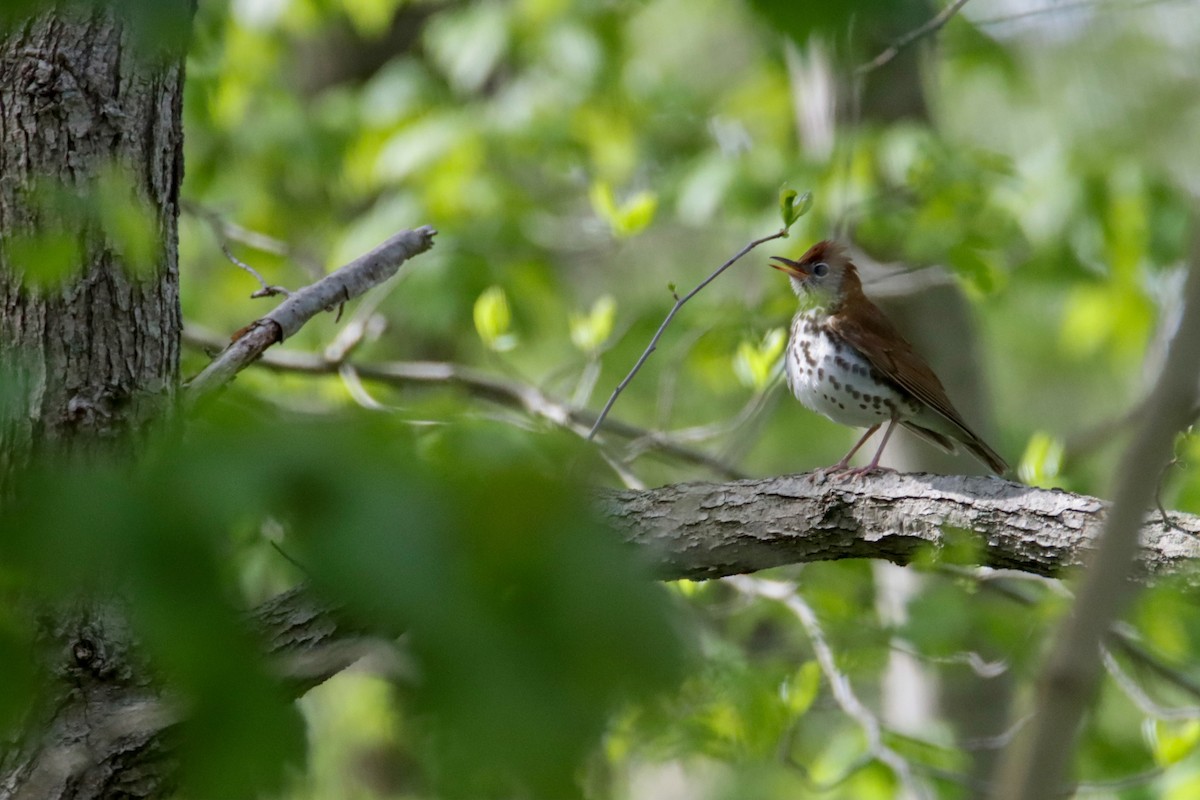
(821, 274)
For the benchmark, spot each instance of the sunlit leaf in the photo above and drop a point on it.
(493, 320)
(792, 206)
(627, 218)
(1171, 742)
(800, 691)
(757, 363)
(45, 259)
(467, 42)
(590, 331)
(1041, 462)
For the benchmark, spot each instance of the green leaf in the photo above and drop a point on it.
(590, 331)
(800, 690)
(630, 217)
(792, 206)
(18, 668)
(127, 220)
(46, 259)
(1172, 742)
(1041, 463)
(493, 319)
(468, 43)
(755, 364)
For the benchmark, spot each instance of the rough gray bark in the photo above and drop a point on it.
(98, 357)
(690, 530)
(363, 273)
(708, 530)
(110, 739)
(693, 530)
(91, 361)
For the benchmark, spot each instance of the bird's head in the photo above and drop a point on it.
(824, 274)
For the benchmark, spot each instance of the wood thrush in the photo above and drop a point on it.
(847, 361)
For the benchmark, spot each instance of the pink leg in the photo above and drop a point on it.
(874, 465)
(841, 465)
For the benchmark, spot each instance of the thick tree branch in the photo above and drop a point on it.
(346, 283)
(696, 530)
(703, 530)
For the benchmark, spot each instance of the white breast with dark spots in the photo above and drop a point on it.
(831, 378)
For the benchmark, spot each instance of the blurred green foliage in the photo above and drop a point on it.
(580, 160)
(528, 621)
(45, 249)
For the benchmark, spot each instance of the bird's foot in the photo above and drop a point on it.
(843, 472)
(861, 472)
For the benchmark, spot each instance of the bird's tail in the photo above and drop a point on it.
(973, 444)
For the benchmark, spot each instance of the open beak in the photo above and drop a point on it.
(792, 268)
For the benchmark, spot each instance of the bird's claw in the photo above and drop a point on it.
(843, 472)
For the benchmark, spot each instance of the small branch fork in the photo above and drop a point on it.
(477, 383)
(344, 284)
(679, 301)
(893, 50)
(221, 229)
(839, 683)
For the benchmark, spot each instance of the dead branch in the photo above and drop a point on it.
(346, 283)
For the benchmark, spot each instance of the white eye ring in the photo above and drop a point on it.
(821, 269)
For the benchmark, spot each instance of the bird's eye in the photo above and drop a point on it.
(821, 269)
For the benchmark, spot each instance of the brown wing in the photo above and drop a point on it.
(865, 327)
(872, 334)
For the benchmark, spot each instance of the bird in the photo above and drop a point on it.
(846, 361)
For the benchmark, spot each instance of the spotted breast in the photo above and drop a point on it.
(832, 378)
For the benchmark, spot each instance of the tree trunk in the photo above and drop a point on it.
(89, 360)
(96, 357)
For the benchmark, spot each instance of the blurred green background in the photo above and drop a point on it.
(582, 161)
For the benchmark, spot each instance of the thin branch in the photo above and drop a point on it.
(1127, 642)
(679, 301)
(510, 393)
(1138, 696)
(1067, 7)
(220, 228)
(893, 50)
(977, 663)
(229, 231)
(1038, 758)
(839, 683)
(348, 282)
(1120, 636)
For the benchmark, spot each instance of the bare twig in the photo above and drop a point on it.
(839, 683)
(1138, 696)
(227, 230)
(220, 228)
(506, 392)
(1120, 636)
(904, 41)
(267, 290)
(1038, 758)
(679, 301)
(1125, 640)
(347, 282)
(1067, 7)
